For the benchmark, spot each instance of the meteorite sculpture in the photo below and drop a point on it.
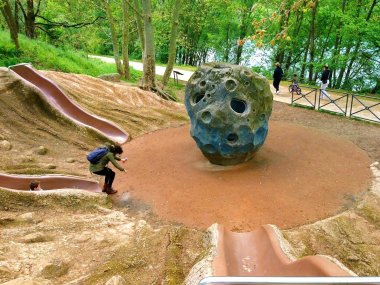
(229, 108)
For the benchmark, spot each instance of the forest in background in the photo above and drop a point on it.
(302, 35)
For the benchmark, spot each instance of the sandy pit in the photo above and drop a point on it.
(299, 176)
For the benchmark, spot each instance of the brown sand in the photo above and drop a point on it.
(299, 176)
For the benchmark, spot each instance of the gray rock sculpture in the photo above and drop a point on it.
(229, 108)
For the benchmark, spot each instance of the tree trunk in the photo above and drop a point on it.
(179, 55)
(348, 51)
(140, 28)
(227, 49)
(149, 68)
(343, 68)
(243, 33)
(312, 39)
(244, 26)
(29, 17)
(30, 29)
(172, 44)
(285, 14)
(376, 89)
(16, 17)
(324, 47)
(125, 43)
(6, 10)
(115, 42)
(303, 69)
(336, 50)
(298, 25)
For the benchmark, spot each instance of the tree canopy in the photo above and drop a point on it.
(302, 35)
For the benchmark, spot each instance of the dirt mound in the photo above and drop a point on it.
(29, 124)
(67, 241)
(133, 109)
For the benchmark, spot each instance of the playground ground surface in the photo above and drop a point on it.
(144, 116)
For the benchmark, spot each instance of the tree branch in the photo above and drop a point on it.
(366, 55)
(38, 8)
(44, 30)
(22, 8)
(66, 24)
(134, 9)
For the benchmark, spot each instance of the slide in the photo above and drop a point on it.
(56, 97)
(259, 253)
(48, 182)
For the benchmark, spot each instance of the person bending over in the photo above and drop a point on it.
(100, 168)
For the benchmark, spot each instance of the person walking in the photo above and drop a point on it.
(277, 76)
(325, 82)
(100, 167)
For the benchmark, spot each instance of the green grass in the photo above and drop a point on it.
(47, 57)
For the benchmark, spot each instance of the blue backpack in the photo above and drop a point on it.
(95, 155)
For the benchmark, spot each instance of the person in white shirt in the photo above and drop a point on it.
(325, 82)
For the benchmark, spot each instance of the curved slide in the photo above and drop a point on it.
(48, 182)
(56, 97)
(259, 253)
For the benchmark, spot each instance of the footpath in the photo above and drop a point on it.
(362, 107)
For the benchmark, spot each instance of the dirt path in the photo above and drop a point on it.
(299, 176)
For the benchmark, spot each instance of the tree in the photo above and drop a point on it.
(284, 21)
(357, 45)
(245, 23)
(149, 62)
(149, 68)
(126, 71)
(338, 41)
(309, 47)
(139, 23)
(172, 45)
(312, 38)
(6, 11)
(115, 41)
(30, 17)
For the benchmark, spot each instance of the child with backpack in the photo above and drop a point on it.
(99, 159)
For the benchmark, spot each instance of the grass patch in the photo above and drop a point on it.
(331, 112)
(302, 106)
(47, 57)
(364, 120)
(371, 214)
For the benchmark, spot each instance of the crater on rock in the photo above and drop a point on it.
(232, 125)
